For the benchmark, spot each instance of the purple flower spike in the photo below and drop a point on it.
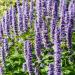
(3, 24)
(57, 53)
(49, 7)
(20, 17)
(45, 36)
(44, 7)
(5, 46)
(2, 56)
(51, 69)
(28, 56)
(26, 9)
(1, 70)
(31, 11)
(1, 31)
(39, 12)
(14, 21)
(25, 16)
(7, 24)
(10, 15)
(36, 71)
(38, 41)
(52, 28)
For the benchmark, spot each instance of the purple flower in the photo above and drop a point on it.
(3, 24)
(38, 41)
(24, 67)
(45, 36)
(51, 69)
(31, 11)
(25, 16)
(49, 7)
(36, 71)
(14, 21)
(62, 20)
(55, 10)
(10, 15)
(52, 28)
(1, 70)
(57, 53)
(28, 56)
(7, 24)
(5, 46)
(2, 56)
(1, 31)
(26, 9)
(44, 7)
(20, 17)
(39, 12)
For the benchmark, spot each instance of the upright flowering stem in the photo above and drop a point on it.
(1, 70)
(25, 15)
(10, 15)
(2, 56)
(45, 35)
(54, 19)
(62, 20)
(39, 12)
(20, 17)
(5, 46)
(1, 31)
(28, 58)
(38, 41)
(27, 9)
(49, 7)
(51, 69)
(7, 24)
(44, 7)
(3, 24)
(14, 21)
(52, 29)
(57, 53)
(36, 71)
(31, 11)
(70, 24)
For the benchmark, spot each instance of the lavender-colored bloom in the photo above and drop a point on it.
(62, 20)
(2, 56)
(20, 17)
(1, 70)
(49, 7)
(31, 11)
(1, 31)
(57, 53)
(3, 24)
(36, 71)
(51, 69)
(10, 15)
(28, 57)
(71, 9)
(25, 16)
(70, 24)
(44, 7)
(38, 41)
(14, 21)
(39, 12)
(52, 28)
(26, 9)
(24, 67)
(7, 24)
(55, 10)
(45, 36)
(5, 46)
